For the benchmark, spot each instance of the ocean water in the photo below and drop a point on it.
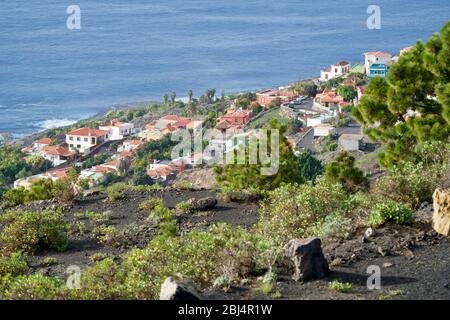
(138, 50)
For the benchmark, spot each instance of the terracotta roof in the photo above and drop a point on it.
(26, 150)
(160, 171)
(173, 117)
(88, 132)
(342, 63)
(182, 123)
(378, 54)
(57, 151)
(103, 169)
(62, 173)
(329, 97)
(44, 141)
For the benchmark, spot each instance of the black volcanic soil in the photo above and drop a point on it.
(132, 222)
(414, 260)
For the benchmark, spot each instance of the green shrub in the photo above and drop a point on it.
(84, 215)
(343, 170)
(338, 286)
(33, 287)
(390, 211)
(194, 255)
(103, 281)
(116, 191)
(150, 204)
(106, 235)
(184, 207)
(15, 264)
(49, 261)
(298, 211)
(410, 183)
(33, 231)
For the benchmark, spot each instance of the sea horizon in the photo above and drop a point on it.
(51, 76)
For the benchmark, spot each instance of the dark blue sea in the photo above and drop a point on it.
(136, 50)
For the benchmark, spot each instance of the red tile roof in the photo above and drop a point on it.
(88, 132)
(378, 54)
(44, 141)
(173, 117)
(57, 151)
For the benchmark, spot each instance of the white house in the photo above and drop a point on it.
(376, 58)
(84, 140)
(324, 130)
(336, 70)
(319, 120)
(351, 142)
(118, 130)
(130, 145)
(56, 154)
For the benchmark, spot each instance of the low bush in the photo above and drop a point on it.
(299, 211)
(343, 287)
(410, 183)
(14, 264)
(33, 231)
(116, 191)
(390, 211)
(33, 287)
(106, 235)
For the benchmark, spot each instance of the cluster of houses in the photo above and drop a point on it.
(317, 118)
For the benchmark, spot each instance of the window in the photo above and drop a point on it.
(71, 138)
(78, 139)
(86, 139)
(78, 146)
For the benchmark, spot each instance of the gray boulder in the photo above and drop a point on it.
(202, 204)
(178, 290)
(307, 259)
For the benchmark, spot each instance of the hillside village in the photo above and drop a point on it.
(362, 181)
(320, 115)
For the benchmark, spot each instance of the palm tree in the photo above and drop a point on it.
(190, 94)
(173, 95)
(166, 98)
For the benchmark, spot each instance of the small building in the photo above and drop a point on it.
(360, 91)
(84, 140)
(336, 70)
(265, 98)
(351, 142)
(233, 120)
(328, 101)
(377, 57)
(118, 130)
(379, 70)
(324, 130)
(37, 146)
(130, 145)
(56, 154)
(319, 120)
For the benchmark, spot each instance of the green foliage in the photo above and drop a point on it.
(343, 171)
(310, 167)
(33, 231)
(106, 235)
(33, 287)
(140, 177)
(343, 287)
(14, 264)
(95, 160)
(299, 211)
(410, 184)
(116, 191)
(390, 211)
(50, 261)
(418, 83)
(249, 176)
(347, 92)
(184, 207)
